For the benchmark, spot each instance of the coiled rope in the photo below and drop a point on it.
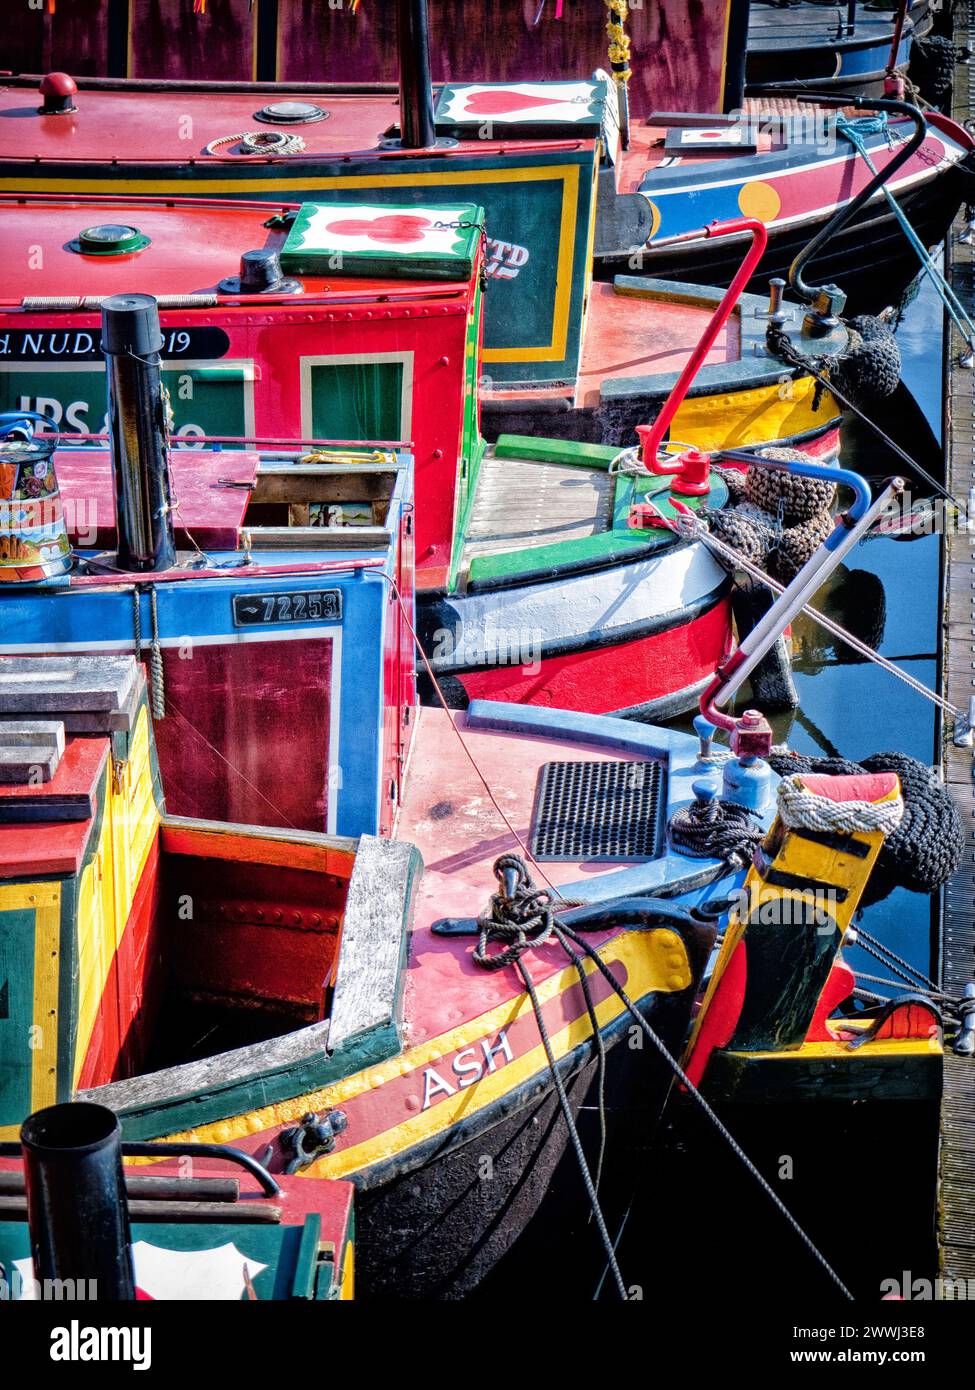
(716, 829)
(260, 142)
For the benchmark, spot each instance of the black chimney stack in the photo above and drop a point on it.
(76, 1203)
(131, 340)
(415, 88)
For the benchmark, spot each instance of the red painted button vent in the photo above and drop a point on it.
(59, 91)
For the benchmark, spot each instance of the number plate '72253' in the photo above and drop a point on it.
(298, 606)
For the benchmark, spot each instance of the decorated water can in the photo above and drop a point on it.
(34, 544)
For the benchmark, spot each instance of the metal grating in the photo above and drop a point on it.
(604, 811)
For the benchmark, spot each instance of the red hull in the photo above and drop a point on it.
(628, 676)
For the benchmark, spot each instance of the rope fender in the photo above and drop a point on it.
(869, 368)
(801, 809)
(780, 520)
(925, 848)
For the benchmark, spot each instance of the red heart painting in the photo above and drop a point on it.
(395, 227)
(501, 103)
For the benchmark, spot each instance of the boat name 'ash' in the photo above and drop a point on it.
(468, 1066)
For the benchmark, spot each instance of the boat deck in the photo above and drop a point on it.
(957, 1187)
(521, 502)
(639, 336)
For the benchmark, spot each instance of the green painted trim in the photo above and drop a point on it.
(570, 451)
(17, 934)
(172, 1115)
(546, 561)
(303, 1279)
(472, 445)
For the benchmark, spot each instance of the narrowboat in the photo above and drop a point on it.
(208, 1224)
(290, 994)
(852, 48)
(322, 1005)
(795, 164)
(698, 50)
(562, 173)
(532, 581)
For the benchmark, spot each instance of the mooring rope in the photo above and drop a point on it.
(854, 129)
(531, 918)
(689, 526)
(781, 345)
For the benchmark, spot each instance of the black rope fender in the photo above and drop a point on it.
(868, 369)
(926, 848)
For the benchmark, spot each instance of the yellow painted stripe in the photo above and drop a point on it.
(732, 419)
(347, 1287)
(47, 962)
(654, 961)
(290, 189)
(838, 1051)
(111, 880)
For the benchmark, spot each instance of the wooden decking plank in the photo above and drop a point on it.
(957, 1165)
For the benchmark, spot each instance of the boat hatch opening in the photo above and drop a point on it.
(291, 113)
(307, 502)
(600, 812)
(256, 961)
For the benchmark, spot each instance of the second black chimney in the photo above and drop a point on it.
(76, 1202)
(415, 89)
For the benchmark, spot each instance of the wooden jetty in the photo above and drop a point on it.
(957, 1179)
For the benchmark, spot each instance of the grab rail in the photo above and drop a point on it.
(650, 436)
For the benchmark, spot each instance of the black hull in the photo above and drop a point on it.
(499, 1213)
(871, 258)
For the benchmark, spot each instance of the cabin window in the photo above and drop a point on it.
(357, 399)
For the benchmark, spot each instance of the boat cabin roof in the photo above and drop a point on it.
(138, 124)
(215, 490)
(59, 717)
(190, 246)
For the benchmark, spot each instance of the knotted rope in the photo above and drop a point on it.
(518, 922)
(530, 909)
(801, 809)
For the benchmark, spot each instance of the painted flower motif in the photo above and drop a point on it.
(394, 229)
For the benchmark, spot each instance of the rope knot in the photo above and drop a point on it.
(519, 916)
